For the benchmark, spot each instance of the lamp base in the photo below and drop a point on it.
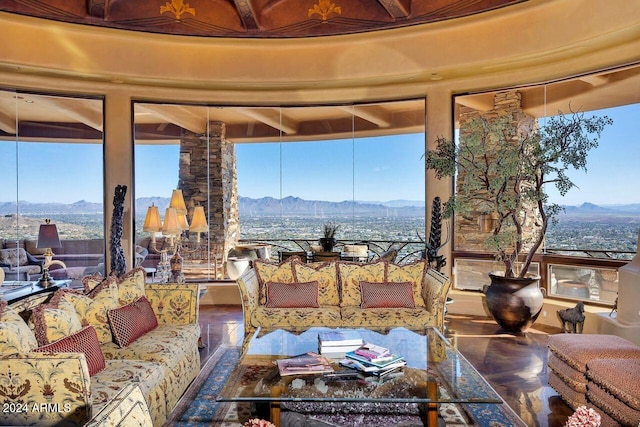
(46, 280)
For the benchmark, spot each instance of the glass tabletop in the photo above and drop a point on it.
(435, 371)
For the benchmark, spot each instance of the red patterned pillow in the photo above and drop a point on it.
(130, 322)
(387, 295)
(85, 341)
(292, 295)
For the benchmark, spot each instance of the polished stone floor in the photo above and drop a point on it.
(516, 366)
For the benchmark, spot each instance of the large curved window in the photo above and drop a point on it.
(51, 157)
(597, 231)
(270, 178)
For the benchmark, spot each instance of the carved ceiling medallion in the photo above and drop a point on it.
(178, 8)
(324, 8)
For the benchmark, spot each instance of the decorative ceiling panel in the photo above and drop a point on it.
(252, 18)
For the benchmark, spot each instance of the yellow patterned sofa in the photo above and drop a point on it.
(61, 388)
(377, 294)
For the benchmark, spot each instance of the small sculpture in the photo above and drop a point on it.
(118, 260)
(614, 309)
(572, 319)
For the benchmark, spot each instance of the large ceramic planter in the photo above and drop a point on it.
(514, 303)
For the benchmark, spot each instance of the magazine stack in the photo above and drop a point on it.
(374, 360)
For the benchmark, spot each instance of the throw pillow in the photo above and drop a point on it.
(352, 274)
(326, 274)
(15, 335)
(85, 341)
(130, 322)
(272, 272)
(292, 295)
(55, 320)
(131, 286)
(387, 295)
(92, 308)
(412, 273)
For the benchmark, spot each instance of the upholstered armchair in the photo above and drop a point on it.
(18, 264)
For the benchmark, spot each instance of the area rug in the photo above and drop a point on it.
(198, 406)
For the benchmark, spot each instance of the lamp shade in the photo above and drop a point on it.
(171, 227)
(152, 222)
(182, 220)
(48, 236)
(199, 222)
(177, 202)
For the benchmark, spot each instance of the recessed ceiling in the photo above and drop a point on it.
(252, 18)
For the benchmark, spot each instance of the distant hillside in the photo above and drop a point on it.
(295, 206)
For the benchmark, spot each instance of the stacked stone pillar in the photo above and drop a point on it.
(207, 178)
(468, 236)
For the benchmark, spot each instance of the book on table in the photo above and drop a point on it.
(370, 369)
(304, 364)
(339, 338)
(372, 353)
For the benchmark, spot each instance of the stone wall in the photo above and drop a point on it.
(202, 154)
(468, 236)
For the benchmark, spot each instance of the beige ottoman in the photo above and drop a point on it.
(614, 388)
(569, 355)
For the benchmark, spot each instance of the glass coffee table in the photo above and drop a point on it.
(435, 373)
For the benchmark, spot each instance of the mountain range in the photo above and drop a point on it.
(295, 206)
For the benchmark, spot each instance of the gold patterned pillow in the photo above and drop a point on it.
(326, 274)
(89, 283)
(55, 320)
(351, 274)
(272, 272)
(15, 335)
(412, 273)
(131, 286)
(92, 308)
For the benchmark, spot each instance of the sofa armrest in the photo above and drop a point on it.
(434, 291)
(127, 408)
(44, 389)
(34, 261)
(174, 303)
(249, 292)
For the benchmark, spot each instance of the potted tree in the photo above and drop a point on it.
(503, 168)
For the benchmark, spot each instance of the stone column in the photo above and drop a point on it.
(211, 155)
(468, 236)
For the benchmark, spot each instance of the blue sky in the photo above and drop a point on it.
(372, 169)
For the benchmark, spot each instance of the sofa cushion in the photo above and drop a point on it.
(573, 398)
(412, 273)
(326, 274)
(55, 320)
(290, 295)
(295, 318)
(131, 321)
(85, 341)
(15, 335)
(166, 344)
(570, 376)
(149, 376)
(131, 286)
(352, 274)
(272, 272)
(387, 295)
(411, 318)
(92, 308)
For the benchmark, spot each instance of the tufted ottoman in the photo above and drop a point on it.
(614, 388)
(569, 355)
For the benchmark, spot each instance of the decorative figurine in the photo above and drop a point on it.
(118, 260)
(572, 319)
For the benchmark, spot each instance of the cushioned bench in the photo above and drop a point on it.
(595, 370)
